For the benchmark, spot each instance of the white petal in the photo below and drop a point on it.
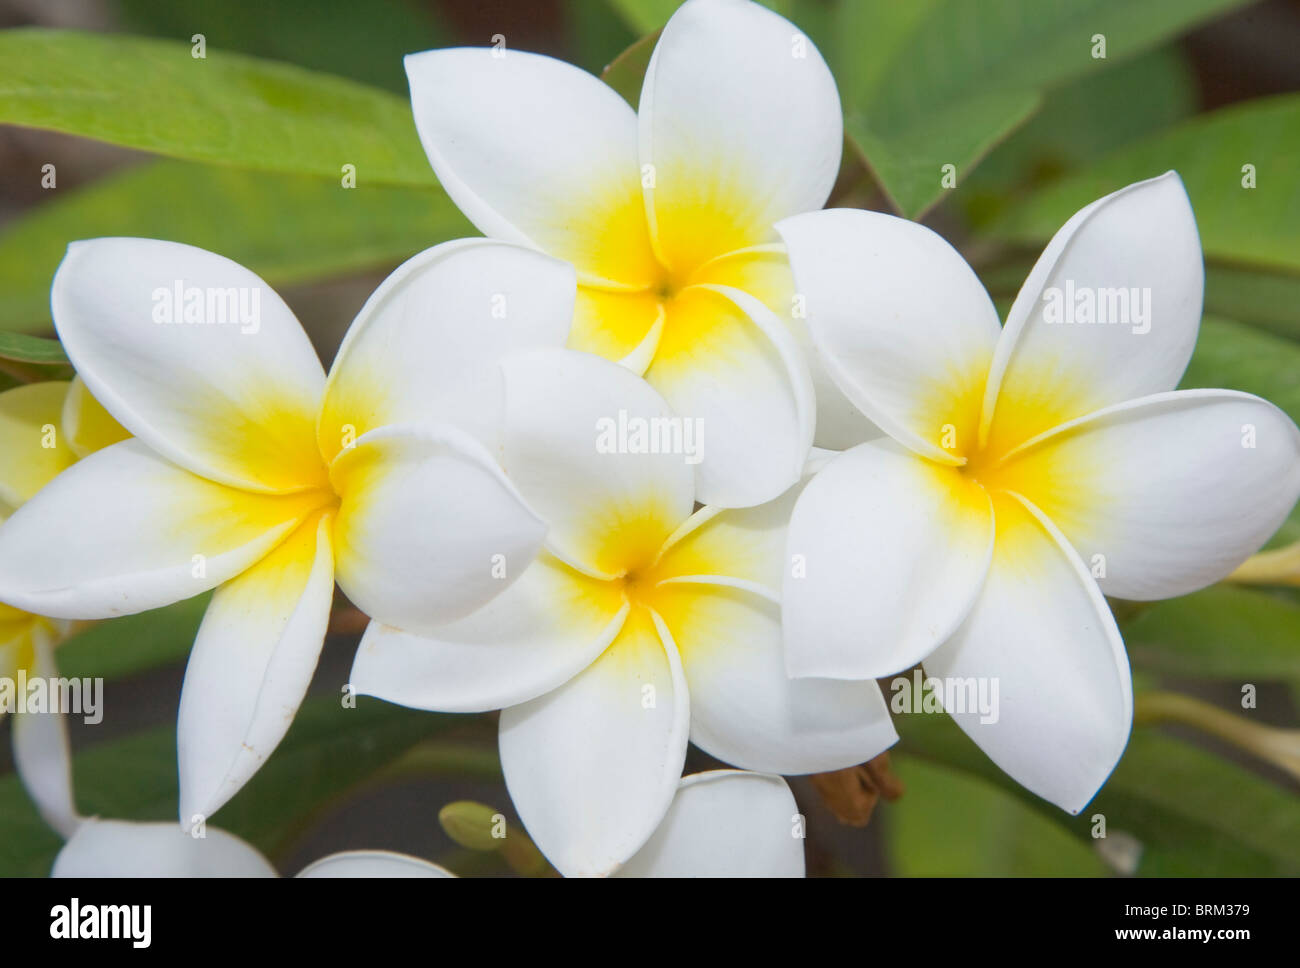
(887, 552)
(537, 152)
(745, 710)
(426, 343)
(1140, 239)
(41, 754)
(541, 631)
(124, 531)
(427, 522)
(740, 119)
(727, 363)
(1169, 493)
(251, 665)
(234, 401)
(592, 766)
(901, 322)
(1042, 634)
(119, 848)
(725, 823)
(567, 452)
(373, 863)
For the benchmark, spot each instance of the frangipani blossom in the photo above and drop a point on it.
(1029, 471)
(642, 624)
(666, 214)
(251, 473)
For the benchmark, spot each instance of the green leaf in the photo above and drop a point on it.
(1258, 226)
(645, 16)
(227, 108)
(626, 72)
(320, 34)
(945, 81)
(120, 647)
(950, 824)
(1223, 632)
(1079, 123)
(1267, 300)
(286, 228)
(1195, 814)
(327, 751)
(31, 349)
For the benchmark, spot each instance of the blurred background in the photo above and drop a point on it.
(1185, 801)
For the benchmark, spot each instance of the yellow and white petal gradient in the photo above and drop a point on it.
(31, 441)
(596, 646)
(232, 401)
(887, 552)
(250, 667)
(1136, 490)
(1142, 237)
(1043, 632)
(250, 474)
(649, 208)
(725, 823)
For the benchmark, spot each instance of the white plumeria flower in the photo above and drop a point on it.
(1028, 471)
(666, 214)
(636, 604)
(252, 473)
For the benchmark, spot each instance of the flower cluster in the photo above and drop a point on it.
(568, 470)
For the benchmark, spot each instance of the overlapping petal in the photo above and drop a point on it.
(902, 323)
(1042, 633)
(887, 553)
(740, 122)
(196, 356)
(725, 823)
(121, 848)
(592, 766)
(537, 634)
(250, 667)
(1165, 494)
(373, 863)
(425, 346)
(1138, 245)
(427, 523)
(125, 530)
(31, 440)
(537, 152)
(725, 362)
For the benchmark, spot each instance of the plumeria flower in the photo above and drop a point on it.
(1027, 472)
(667, 214)
(252, 473)
(642, 623)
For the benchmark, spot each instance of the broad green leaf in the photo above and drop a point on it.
(953, 78)
(1267, 300)
(1079, 123)
(32, 349)
(599, 33)
(286, 228)
(320, 34)
(645, 16)
(1257, 226)
(1222, 632)
(328, 751)
(227, 108)
(950, 824)
(1231, 356)
(1194, 814)
(119, 647)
